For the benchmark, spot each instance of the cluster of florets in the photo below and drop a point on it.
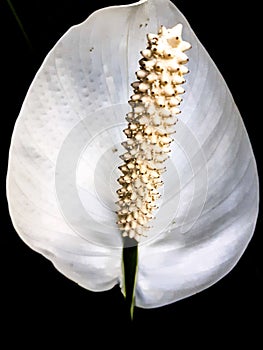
(155, 106)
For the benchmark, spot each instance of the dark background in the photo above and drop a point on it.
(41, 306)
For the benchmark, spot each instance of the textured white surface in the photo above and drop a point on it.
(154, 109)
(64, 156)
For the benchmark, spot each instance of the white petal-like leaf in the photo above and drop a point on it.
(64, 160)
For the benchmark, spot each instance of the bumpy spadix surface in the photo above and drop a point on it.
(64, 160)
(155, 105)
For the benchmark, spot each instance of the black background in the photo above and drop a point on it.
(41, 306)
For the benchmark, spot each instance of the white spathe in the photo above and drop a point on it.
(65, 151)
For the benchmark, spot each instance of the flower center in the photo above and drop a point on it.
(155, 105)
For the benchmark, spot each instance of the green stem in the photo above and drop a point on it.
(19, 24)
(130, 267)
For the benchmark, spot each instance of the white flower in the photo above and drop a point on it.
(64, 158)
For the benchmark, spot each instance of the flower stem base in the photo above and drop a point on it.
(130, 267)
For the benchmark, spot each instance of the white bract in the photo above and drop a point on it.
(64, 159)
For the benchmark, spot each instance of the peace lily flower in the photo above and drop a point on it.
(64, 163)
